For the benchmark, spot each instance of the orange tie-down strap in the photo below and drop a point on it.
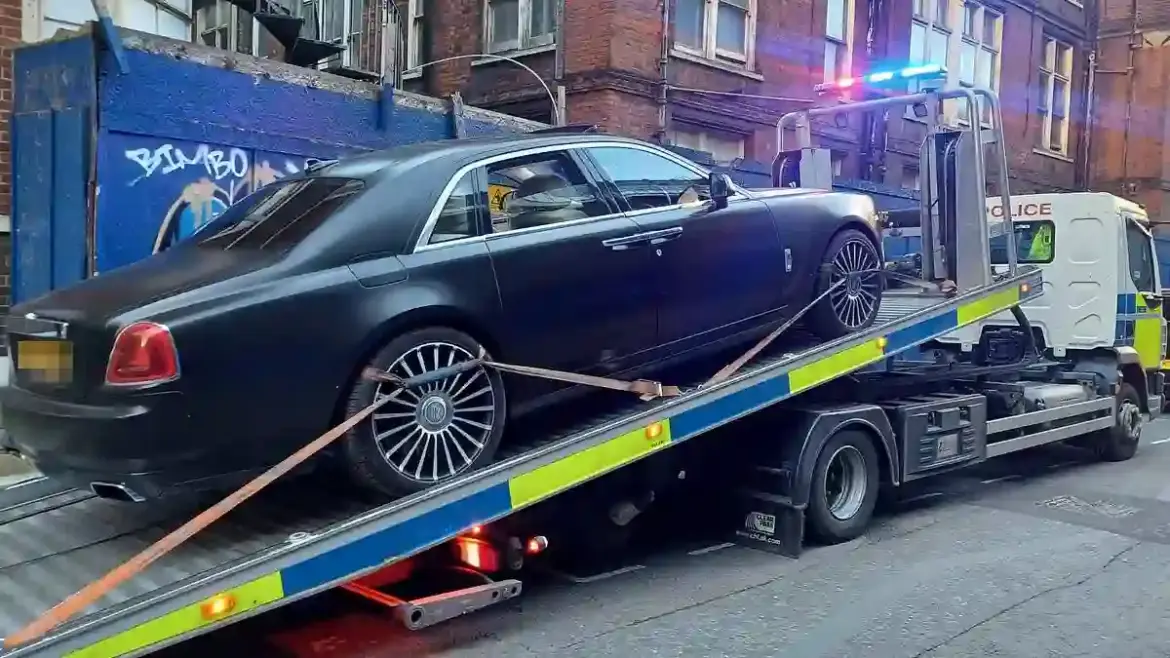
(91, 593)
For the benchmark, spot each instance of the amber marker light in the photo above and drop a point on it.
(1024, 288)
(218, 606)
(653, 431)
(882, 342)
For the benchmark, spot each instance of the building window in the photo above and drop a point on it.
(409, 15)
(723, 148)
(930, 31)
(167, 18)
(979, 54)
(721, 30)
(838, 39)
(910, 178)
(224, 25)
(520, 24)
(1055, 94)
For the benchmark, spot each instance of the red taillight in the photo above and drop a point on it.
(144, 353)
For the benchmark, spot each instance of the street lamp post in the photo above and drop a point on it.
(556, 110)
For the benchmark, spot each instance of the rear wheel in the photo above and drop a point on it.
(853, 261)
(430, 435)
(845, 485)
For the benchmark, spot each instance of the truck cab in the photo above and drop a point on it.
(1101, 301)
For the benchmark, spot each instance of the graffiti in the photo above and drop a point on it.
(203, 200)
(166, 159)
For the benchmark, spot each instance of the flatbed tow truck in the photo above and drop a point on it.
(858, 418)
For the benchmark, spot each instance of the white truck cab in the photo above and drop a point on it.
(1101, 281)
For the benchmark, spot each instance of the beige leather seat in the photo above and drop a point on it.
(542, 190)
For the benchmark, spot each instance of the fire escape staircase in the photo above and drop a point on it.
(299, 36)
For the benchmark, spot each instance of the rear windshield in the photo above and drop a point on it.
(279, 215)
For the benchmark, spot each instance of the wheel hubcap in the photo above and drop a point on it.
(437, 431)
(846, 482)
(856, 297)
(1129, 417)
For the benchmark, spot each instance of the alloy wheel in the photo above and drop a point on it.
(856, 300)
(437, 431)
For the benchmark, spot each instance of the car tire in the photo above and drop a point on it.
(432, 435)
(840, 510)
(854, 305)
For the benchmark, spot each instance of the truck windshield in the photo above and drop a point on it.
(1035, 242)
(279, 215)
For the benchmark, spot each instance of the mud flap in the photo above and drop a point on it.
(768, 522)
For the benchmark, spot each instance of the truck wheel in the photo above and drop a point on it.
(1120, 442)
(428, 436)
(845, 488)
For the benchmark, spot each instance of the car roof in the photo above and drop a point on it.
(457, 151)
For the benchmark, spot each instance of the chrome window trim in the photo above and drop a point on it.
(433, 218)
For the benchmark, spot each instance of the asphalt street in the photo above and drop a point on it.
(1035, 556)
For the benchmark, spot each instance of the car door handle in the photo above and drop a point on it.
(665, 235)
(627, 241)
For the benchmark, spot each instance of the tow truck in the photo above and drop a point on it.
(897, 402)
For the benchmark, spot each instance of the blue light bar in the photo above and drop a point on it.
(917, 71)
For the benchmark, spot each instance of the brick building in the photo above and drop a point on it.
(1129, 154)
(693, 84)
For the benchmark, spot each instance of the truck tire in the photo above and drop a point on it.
(1120, 442)
(845, 485)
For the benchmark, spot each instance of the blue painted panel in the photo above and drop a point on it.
(32, 244)
(71, 139)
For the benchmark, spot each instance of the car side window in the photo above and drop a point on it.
(540, 190)
(1141, 257)
(648, 180)
(458, 218)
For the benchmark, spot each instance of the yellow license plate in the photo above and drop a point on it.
(45, 361)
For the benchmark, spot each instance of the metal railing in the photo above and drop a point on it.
(371, 31)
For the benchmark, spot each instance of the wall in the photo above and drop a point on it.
(10, 36)
(1130, 157)
(183, 133)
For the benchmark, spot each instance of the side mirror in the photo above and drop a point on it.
(720, 186)
(1153, 300)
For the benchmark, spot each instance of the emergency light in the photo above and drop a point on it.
(920, 71)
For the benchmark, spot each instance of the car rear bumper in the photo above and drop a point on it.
(144, 448)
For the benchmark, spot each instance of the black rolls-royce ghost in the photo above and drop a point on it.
(218, 357)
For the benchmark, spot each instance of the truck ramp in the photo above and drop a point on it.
(294, 540)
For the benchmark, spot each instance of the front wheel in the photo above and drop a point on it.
(430, 435)
(1120, 442)
(853, 263)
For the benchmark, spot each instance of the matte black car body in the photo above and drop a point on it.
(271, 341)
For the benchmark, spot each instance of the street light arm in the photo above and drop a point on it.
(556, 111)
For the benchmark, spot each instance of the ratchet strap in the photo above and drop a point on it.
(90, 594)
(646, 389)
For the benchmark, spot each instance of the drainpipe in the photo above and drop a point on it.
(1129, 92)
(663, 78)
(559, 64)
(1090, 106)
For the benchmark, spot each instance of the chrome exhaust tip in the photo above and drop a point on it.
(114, 491)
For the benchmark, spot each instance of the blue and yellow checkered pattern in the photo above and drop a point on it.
(428, 529)
(1141, 328)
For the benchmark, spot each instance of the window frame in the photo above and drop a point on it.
(412, 14)
(199, 27)
(1055, 70)
(524, 40)
(710, 50)
(924, 14)
(589, 168)
(843, 46)
(979, 43)
(1148, 248)
(1028, 261)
